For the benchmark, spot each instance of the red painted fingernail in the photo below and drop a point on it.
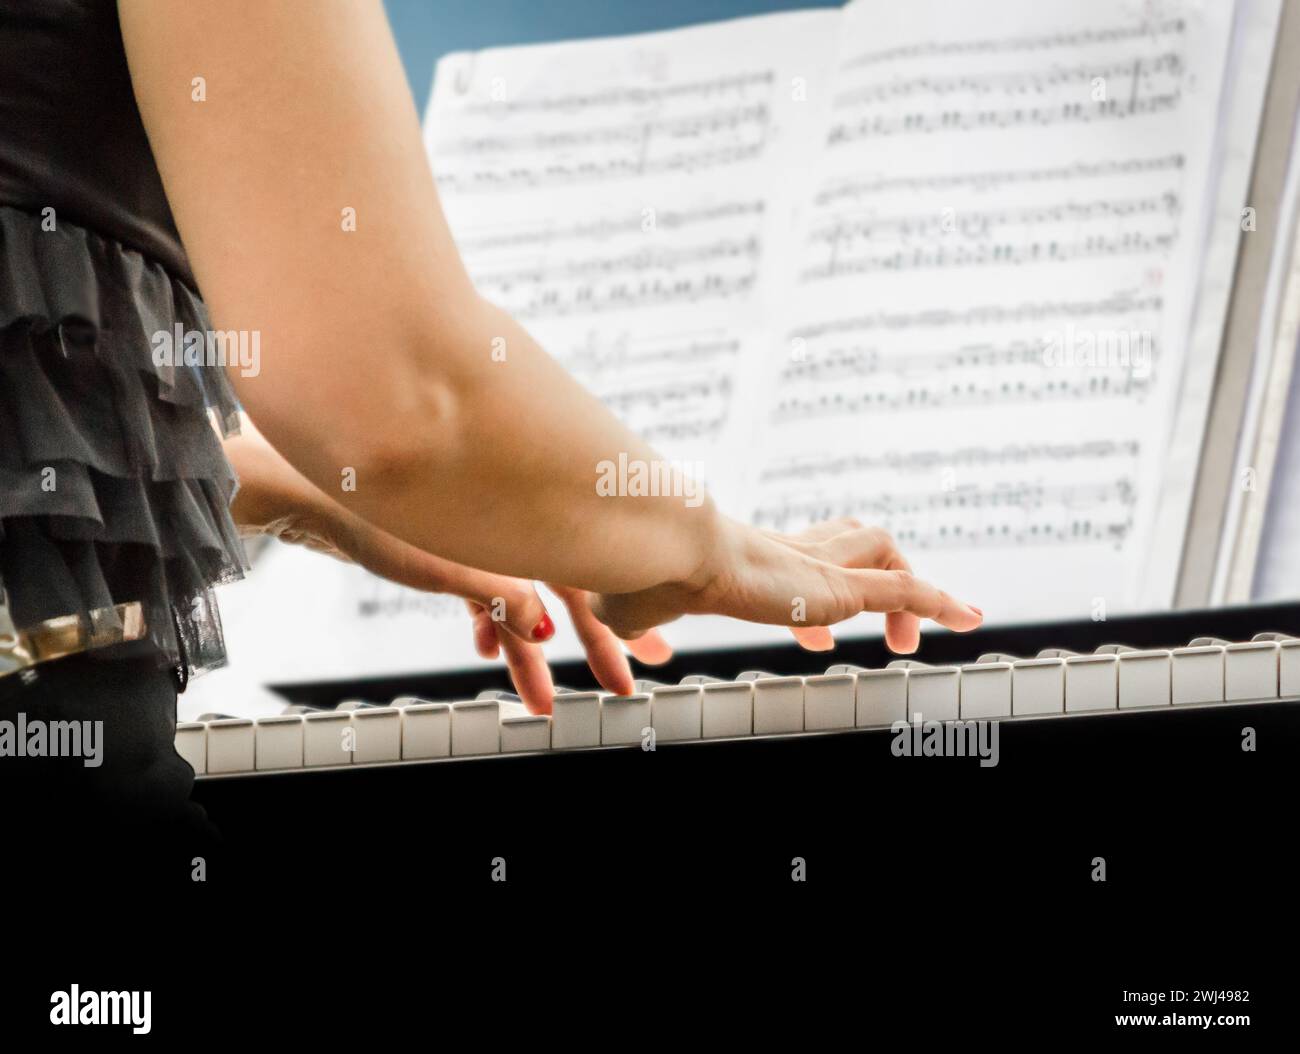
(545, 629)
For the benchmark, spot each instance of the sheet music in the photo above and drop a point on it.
(991, 292)
(828, 256)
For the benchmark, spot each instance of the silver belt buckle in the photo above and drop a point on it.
(56, 638)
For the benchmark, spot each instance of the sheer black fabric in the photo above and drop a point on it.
(113, 484)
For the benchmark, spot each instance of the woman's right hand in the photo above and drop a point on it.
(808, 581)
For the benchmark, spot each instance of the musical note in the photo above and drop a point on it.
(855, 187)
(567, 138)
(812, 469)
(1022, 513)
(1131, 32)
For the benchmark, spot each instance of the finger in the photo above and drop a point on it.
(874, 547)
(902, 591)
(513, 605)
(511, 602)
(604, 650)
(650, 648)
(485, 634)
(902, 628)
(529, 672)
(813, 638)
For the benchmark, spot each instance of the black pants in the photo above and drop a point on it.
(128, 813)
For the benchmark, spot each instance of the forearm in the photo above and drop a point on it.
(273, 497)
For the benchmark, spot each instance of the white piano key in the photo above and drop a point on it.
(1038, 686)
(933, 692)
(829, 701)
(426, 728)
(1145, 679)
(624, 718)
(231, 745)
(279, 742)
(985, 690)
(521, 732)
(192, 745)
(778, 703)
(726, 709)
(1197, 674)
(1250, 671)
(475, 727)
(881, 697)
(575, 720)
(403, 701)
(378, 735)
(326, 738)
(1091, 683)
(1289, 668)
(676, 712)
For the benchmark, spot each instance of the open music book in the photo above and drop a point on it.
(939, 266)
(932, 265)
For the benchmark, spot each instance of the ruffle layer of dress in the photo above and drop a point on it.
(113, 484)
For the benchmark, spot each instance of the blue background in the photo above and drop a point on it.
(428, 29)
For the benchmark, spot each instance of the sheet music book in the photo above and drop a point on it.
(931, 265)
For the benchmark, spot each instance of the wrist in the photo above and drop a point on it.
(719, 541)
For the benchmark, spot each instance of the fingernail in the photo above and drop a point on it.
(976, 610)
(545, 629)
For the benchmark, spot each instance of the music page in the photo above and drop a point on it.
(989, 299)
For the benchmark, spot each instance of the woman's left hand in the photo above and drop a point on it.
(509, 617)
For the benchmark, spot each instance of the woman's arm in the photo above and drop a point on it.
(377, 354)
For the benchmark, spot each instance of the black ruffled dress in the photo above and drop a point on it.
(113, 484)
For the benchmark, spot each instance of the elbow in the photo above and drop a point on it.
(388, 448)
(367, 446)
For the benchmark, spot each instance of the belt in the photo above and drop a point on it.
(57, 638)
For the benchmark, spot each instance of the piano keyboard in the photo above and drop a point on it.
(1055, 683)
